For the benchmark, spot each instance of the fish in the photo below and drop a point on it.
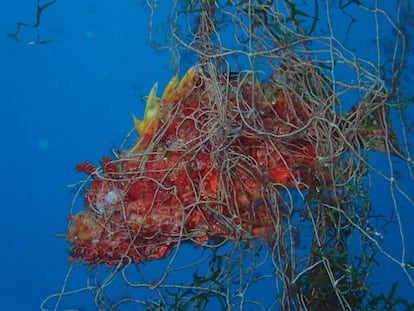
(213, 161)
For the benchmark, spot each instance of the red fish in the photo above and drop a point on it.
(214, 157)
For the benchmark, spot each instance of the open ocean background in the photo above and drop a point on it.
(63, 103)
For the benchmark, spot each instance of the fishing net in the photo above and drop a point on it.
(253, 182)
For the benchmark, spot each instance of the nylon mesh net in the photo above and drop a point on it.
(253, 181)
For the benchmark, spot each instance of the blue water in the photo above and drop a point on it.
(62, 103)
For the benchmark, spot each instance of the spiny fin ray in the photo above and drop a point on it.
(151, 112)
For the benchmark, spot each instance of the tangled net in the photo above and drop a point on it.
(260, 156)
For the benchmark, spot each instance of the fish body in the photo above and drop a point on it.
(212, 161)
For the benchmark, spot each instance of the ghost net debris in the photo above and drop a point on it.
(260, 157)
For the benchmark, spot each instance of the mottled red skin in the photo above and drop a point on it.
(169, 196)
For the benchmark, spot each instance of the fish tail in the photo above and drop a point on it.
(375, 132)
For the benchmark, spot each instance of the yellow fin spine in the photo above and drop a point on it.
(175, 89)
(172, 93)
(151, 112)
(188, 77)
(170, 89)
